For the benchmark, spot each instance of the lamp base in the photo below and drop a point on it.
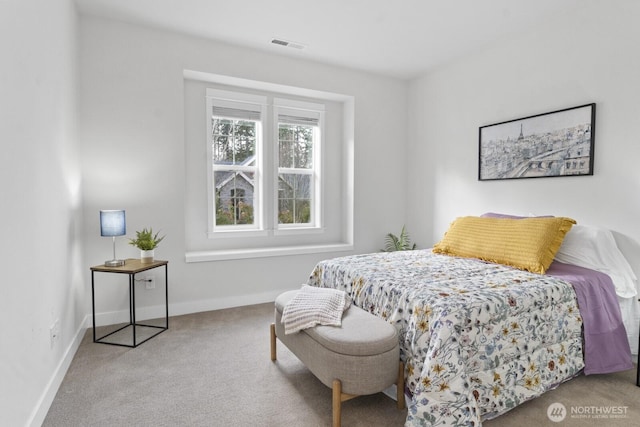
(114, 263)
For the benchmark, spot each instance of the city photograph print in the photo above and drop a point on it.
(559, 143)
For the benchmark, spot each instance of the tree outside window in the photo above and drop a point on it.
(295, 173)
(233, 148)
(264, 157)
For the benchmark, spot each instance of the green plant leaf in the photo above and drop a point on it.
(403, 243)
(145, 240)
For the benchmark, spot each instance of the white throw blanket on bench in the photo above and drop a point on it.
(314, 306)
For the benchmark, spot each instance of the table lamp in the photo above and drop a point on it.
(112, 223)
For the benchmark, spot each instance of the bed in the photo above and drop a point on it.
(479, 337)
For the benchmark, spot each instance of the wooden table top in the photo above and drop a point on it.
(131, 265)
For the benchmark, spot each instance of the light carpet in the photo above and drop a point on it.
(213, 369)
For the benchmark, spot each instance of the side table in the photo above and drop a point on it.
(131, 267)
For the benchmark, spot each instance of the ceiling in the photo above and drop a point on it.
(402, 38)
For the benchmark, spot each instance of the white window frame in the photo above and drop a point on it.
(265, 220)
(314, 113)
(247, 102)
(338, 232)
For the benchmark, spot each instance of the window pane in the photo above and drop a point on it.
(295, 146)
(285, 146)
(234, 197)
(303, 211)
(245, 141)
(221, 130)
(221, 150)
(303, 147)
(234, 141)
(285, 211)
(294, 199)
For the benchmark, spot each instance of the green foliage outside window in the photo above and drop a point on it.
(234, 140)
(234, 143)
(229, 217)
(295, 146)
(302, 214)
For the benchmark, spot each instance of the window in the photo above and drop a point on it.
(256, 163)
(242, 198)
(234, 144)
(234, 171)
(298, 144)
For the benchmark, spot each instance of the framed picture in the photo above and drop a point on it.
(559, 143)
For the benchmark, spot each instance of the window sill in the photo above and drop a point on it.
(222, 255)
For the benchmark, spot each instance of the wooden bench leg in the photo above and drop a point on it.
(338, 398)
(273, 341)
(337, 402)
(400, 387)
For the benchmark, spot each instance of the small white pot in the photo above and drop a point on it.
(146, 257)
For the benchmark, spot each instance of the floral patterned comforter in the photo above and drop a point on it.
(476, 338)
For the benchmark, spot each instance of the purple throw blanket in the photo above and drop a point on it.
(606, 347)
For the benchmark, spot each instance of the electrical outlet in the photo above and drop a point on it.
(54, 332)
(150, 282)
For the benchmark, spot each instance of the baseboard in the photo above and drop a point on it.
(44, 403)
(40, 412)
(189, 307)
(142, 313)
(222, 303)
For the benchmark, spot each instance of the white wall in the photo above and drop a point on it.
(132, 134)
(587, 56)
(132, 130)
(40, 219)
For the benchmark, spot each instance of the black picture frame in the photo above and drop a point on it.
(558, 143)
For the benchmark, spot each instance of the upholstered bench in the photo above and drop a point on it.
(360, 357)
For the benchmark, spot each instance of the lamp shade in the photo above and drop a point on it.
(112, 223)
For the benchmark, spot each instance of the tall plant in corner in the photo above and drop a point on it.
(399, 243)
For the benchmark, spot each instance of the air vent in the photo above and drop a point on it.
(288, 43)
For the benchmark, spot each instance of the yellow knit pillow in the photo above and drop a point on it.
(528, 243)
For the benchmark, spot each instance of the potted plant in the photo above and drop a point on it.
(146, 241)
(398, 243)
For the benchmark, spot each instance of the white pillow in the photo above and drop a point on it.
(595, 248)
